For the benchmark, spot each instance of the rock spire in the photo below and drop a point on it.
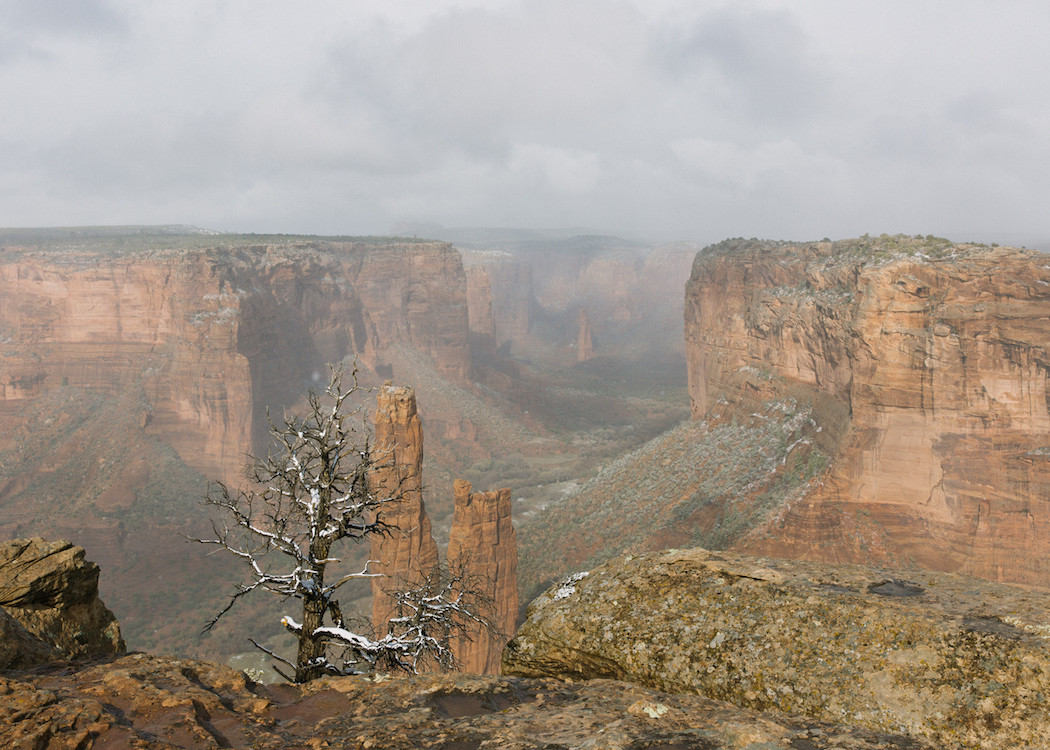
(482, 546)
(407, 555)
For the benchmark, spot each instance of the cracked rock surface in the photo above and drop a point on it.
(958, 661)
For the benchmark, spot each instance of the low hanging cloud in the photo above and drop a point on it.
(667, 119)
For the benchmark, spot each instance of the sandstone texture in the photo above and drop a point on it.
(156, 702)
(20, 649)
(480, 314)
(482, 547)
(959, 661)
(924, 367)
(407, 555)
(49, 594)
(214, 336)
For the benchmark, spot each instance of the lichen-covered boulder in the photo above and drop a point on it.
(961, 662)
(52, 592)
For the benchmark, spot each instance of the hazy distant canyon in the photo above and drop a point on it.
(879, 400)
(134, 368)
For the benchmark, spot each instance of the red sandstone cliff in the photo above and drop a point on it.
(407, 555)
(128, 376)
(926, 364)
(482, 546)
(480, 310)
(215, 337)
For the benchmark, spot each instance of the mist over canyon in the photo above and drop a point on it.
(879, 400)
(139, 363)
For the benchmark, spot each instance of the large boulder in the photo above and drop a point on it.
(50, 592)
(961, 662)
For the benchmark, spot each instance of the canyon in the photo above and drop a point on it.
(879, 400)
(137, 364)
(924, 364)
(132, 374)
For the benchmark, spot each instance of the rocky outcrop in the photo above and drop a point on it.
(51, 592)
(925, 365)
(960, 662)
(155, 702)
(407, 555)
(483, 548)
(20, 649)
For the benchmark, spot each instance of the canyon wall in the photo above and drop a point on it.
(133, 370)
(925, 367)
(214, 337)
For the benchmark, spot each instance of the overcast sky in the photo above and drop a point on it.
(667, 119)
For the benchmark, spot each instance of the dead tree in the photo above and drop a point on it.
(311, 494)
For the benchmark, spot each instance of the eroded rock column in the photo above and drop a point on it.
(482, 546)
(407, 554)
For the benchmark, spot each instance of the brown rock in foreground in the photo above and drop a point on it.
(155, 702)
(52, 592)
(959, 661)
(925, 364)
(408, 554)
(483, 547)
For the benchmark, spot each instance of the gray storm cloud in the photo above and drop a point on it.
(664, 119)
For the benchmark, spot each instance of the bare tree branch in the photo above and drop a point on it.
(314, 490)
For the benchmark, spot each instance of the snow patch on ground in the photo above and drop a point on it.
(568, 586)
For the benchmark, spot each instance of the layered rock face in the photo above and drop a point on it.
(925, 364)
(406, 556)
(480, 310)
(956, 661)
(133, 370)
(215, 337)
(482, 546)
(51, 591)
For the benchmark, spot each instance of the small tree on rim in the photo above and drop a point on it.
(313, 491)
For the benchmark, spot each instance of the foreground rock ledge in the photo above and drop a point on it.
(52, 592)
(962, 662)
(154, 702)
